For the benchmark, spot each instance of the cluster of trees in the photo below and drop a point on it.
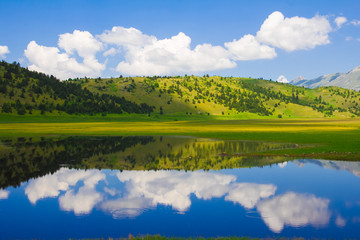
(28, 158)
(34, 90)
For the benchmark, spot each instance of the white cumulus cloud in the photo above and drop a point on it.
(79, 191)
(355, 22)
(248, 48)
(175, 188)
(147, 189)
(110, 52)
(339, 21)
(173, 55)
(4, 194)
(81, 42)
(133, 52)
(282, 79)
(84, 200)
(63, 180)
(294, 33)
(126, 37)
(295, 210)
(64, 64)
(340, 221)
(249, 194)
(3, 51)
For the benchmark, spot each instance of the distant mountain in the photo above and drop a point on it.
(349, 80)
(299, 79)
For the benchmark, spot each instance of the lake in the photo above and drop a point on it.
(92, 187)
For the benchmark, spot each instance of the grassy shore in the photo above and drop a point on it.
(336, 139)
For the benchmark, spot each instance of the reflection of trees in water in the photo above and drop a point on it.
(25, 158)
(193, 155)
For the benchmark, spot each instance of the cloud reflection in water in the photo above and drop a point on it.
(4, 194)
(81, 202)
(295, 210)
(146, 189)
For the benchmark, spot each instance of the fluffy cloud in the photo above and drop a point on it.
(65, 65)
(282, 79)
(51, 185)
(248, 48)
(126, 37)
(340, 221)
(86, 198)
(339, 21)
(4, 194)
(295, 210)
(3, 51)
(355, 22)
(175, 188)
(81, 42)
(294, 33)
(173, 55)
(249, 194)
(147, 55)
(145, 190)
(110, 52)
(136, 53)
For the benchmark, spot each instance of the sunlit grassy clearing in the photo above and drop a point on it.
(175, 127)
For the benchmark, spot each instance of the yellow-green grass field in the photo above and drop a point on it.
(317, 138)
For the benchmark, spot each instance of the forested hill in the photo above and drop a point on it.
(23, 91)
(27, 92)
(240, 97)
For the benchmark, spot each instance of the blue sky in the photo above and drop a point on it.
(76, 37)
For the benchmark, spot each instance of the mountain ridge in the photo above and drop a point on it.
(349, 80)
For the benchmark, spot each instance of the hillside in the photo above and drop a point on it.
(216, 96)
(26, 92)
(349, 80)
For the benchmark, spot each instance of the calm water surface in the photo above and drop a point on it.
(113, 186)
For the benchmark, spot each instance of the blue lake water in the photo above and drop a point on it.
(297, 198)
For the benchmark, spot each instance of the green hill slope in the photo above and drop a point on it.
(244, 97)
(26, 92)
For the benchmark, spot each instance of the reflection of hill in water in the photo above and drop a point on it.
(352, 167)
(25, 158)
